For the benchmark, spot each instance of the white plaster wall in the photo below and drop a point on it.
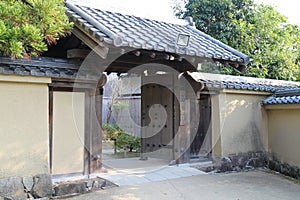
(239, 123)
(284, 135)
(24, 131)
(68, 132)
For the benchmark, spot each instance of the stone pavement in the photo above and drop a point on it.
(132, 171)
(254, 185)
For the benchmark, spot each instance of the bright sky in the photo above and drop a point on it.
(161, 9)
(154, 9)
(289, 8)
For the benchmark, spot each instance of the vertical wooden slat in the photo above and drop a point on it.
(50, 127)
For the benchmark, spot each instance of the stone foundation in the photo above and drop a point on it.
(242, 161)
(41, 187)
(252, 160)
(285, 169)
(79, 187)
(32, 187)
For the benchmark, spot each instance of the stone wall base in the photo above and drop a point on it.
(252, 160)
(41, 187)
(72, 188)
(32, 187)
(285, 169)
(242, 161)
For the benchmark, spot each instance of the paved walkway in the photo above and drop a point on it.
(132, 171)
(255, 185)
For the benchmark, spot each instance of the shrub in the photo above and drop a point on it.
(125, 140)
(111, 131)
(122, 139)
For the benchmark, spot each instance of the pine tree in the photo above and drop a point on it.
(28, 27)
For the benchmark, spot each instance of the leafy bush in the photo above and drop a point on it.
(131, 143)
(111, 131)
(123, 139)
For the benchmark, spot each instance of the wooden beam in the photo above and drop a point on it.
(102, 51)
(71, 85)
(77, 53)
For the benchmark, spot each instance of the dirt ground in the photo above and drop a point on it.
(260, 185)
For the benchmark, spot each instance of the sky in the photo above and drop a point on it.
(289, 8)
(154, 9)
(162, 10)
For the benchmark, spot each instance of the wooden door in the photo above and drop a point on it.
(198, 149)
(158, 144)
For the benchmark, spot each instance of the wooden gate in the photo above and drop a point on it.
(157, 133)
(198, 149)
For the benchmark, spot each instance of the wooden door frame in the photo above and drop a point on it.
(92, 132)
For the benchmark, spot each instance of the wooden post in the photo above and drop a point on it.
(50, 127)
(87, 133)
(96, 127)
(96, 132)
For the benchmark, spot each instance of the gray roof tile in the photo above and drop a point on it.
(214, 84)
(289, 96)
(149, 34)
(43, 67)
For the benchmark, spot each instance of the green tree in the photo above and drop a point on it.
(27, 27)
(256, 30)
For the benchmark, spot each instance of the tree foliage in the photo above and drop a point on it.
(257, 30)
(123, 140)
(27, 27)
(127, 141)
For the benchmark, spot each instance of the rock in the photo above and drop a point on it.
(285, 169)
(95, 185)
(70, 188)
(237, 168)
(29, 196)
(100, 183)
(226, 164)
(12, 188)
(242, 161)
(234, 160)
(28, 183)
(42, 186)
(89, 185)
(249, 167)
(252, 163)
(293, 172)
(274, 165)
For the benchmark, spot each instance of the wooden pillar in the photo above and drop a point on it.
(96, 131)
(93, 135)
(50, 127)
(186, 115)
(183, 136)
(87, 133)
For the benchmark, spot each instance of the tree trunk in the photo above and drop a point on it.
(109, 114)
